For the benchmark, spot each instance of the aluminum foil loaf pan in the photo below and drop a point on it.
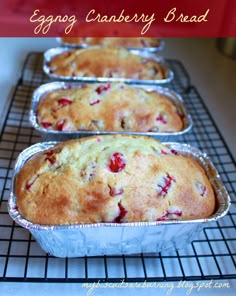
(54, 135)
(51, 53)
(84, 43)
(114, 238)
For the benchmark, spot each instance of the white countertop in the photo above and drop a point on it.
(214, 76)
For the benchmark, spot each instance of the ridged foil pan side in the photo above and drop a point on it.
(53, 135)
(50, 53)
(117, 239)
(86, 45)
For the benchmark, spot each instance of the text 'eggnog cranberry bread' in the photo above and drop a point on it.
(105, 62)
(109, 107)
(133, 42)
(115, 178)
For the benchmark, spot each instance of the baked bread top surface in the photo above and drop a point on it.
(109, 107)
(112, 179)
(106, 62)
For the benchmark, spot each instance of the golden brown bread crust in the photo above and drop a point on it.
(105, 62)
(112, 179)
(108, 107)
(134, 42)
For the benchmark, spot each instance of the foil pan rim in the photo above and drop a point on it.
(86, 45)
(224, 202)
(175, 97)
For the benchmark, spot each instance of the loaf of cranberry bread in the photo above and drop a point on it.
(105, 62)
(109, 107)
(133, 42)
(112, 178)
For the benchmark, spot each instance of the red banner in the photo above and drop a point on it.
(126, 18)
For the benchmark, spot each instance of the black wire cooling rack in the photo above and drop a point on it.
(211, 256)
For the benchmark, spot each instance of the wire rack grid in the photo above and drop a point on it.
(210, 256)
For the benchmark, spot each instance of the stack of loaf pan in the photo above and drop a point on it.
(113, 238)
